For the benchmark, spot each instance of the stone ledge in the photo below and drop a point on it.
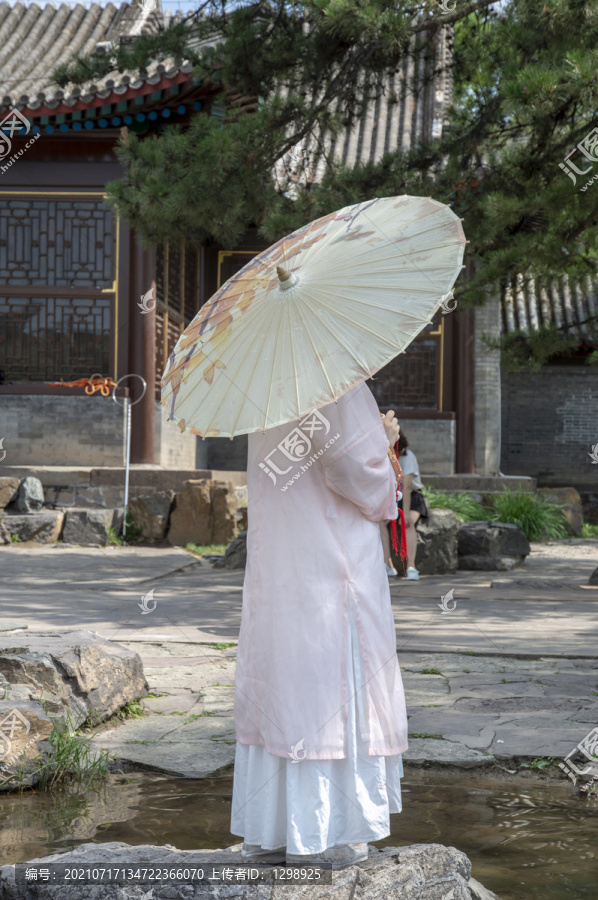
(419, 871)
(482, 484)
(423, 751)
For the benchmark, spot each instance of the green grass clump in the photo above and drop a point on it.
(424, 734)
(430, 672)
(589, 530)
(67, 757)
(133, 533)
(541, 763)
(465, 507)
(535, 516)
(206, 549)
(221, 645)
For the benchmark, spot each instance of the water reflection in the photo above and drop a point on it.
(524, 840)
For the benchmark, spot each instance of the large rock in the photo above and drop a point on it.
(436, 543)
(41, 527)
(205, 512)
(492, 539)
(589, 501)
(224, 511)
(77, 673)
(9, 488)
(416, 872)
(190, 519)
(151, 513)
(90, 527)
(31, 495)
(594, 578)
(235, 556)
(5, 537)
(24, 725)
(570, 500)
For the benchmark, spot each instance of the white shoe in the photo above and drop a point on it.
(340, 857)
(255, 852)
(412, 574)
(390, 571)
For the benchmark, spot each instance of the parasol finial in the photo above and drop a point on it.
(286, 279)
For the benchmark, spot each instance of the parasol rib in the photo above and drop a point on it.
(361, 365)
(294, 362)
(316, 354)
(274, 357)
(406, 315)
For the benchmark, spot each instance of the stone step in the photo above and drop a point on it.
(156, 477)
(479, 484)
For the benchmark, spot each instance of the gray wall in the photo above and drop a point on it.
(432, 441)
(222, 453)
(50, 430)
(549, 425)
(172, 448)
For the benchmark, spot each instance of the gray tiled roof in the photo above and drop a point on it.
(402, 113)
(35, 39)
(528, 304)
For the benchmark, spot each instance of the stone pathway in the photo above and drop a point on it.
(507, 670)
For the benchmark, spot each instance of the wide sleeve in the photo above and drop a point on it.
(353, 453)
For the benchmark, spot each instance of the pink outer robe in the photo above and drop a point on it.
(317, 490)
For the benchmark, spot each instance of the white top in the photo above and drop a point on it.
(410, 467)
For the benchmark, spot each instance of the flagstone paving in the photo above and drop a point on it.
(504, 672)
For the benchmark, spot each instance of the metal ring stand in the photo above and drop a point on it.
(128, 449)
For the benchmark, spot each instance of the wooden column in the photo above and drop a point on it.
(464, 392)
(142, 353)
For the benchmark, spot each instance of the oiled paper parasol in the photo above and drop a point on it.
(318, 312)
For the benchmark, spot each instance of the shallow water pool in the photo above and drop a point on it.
(526, 839)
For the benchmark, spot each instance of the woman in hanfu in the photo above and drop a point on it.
(319, 705)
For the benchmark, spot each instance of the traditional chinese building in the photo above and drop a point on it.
(73, 275)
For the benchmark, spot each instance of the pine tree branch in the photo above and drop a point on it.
(455, 16)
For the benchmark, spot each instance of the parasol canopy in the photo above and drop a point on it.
(317, 313)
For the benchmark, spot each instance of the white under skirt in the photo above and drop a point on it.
(315, 804)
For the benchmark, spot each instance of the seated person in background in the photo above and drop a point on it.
(412, 503)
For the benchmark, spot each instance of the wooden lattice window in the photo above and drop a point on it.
(57, 267)
(177, 297)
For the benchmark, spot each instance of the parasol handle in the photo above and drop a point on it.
(394, 459)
